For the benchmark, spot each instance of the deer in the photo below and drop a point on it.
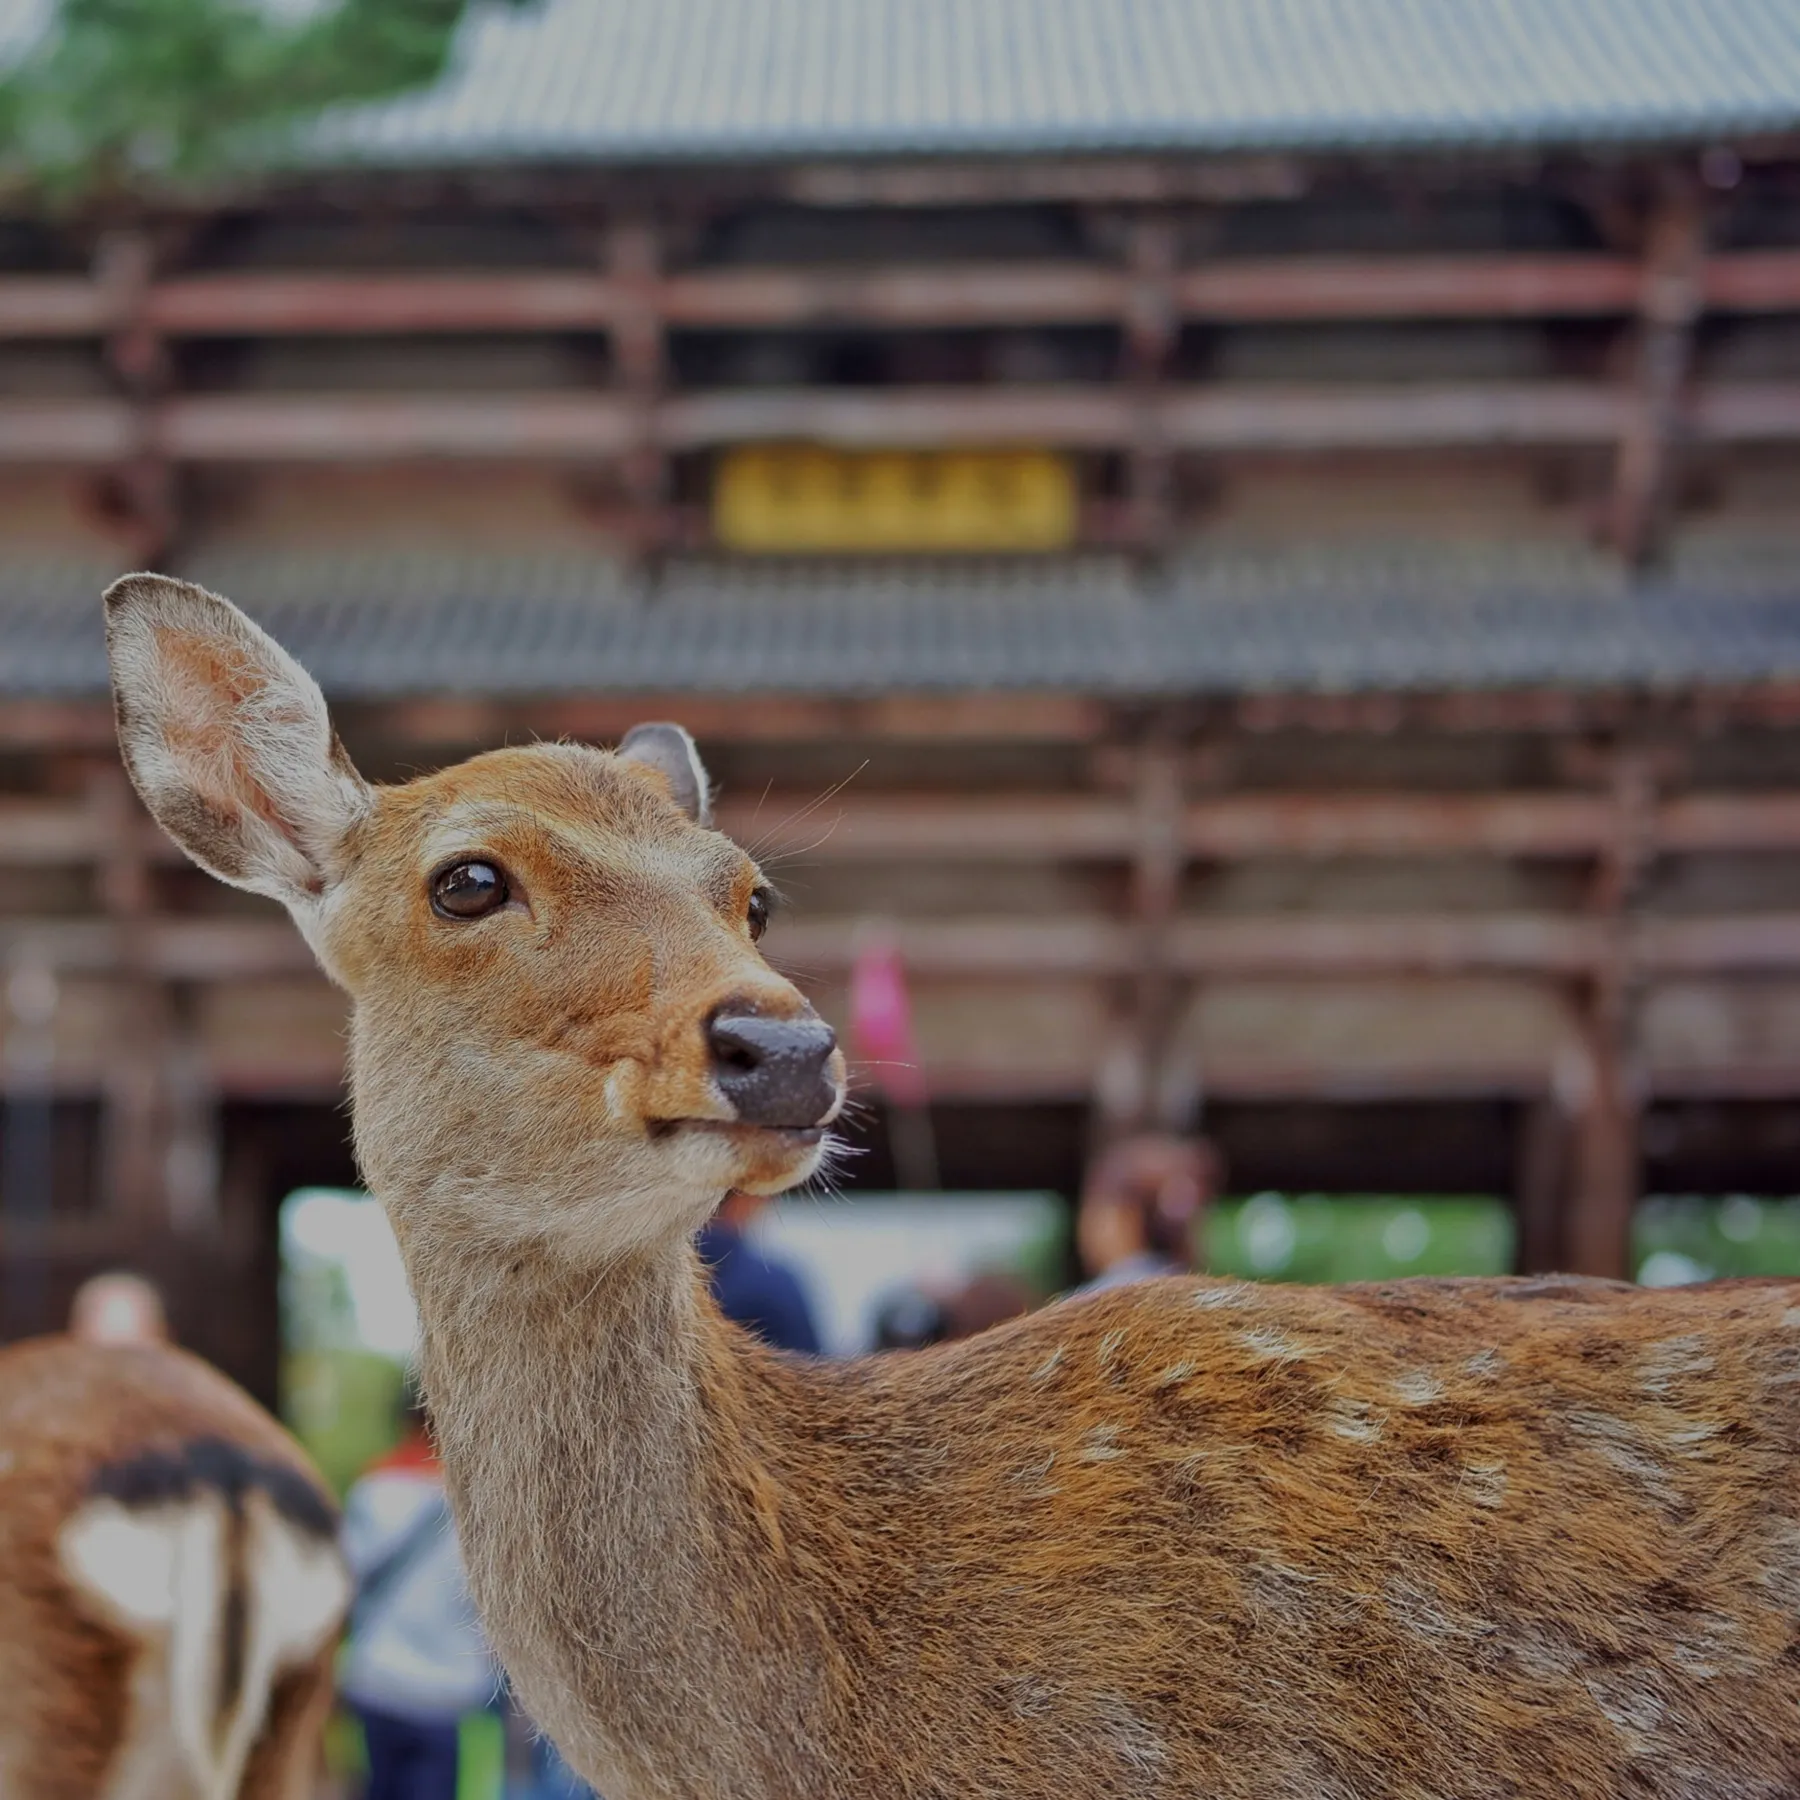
(170, 1587)
(1448, 1538)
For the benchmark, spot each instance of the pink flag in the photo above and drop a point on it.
(881, 1028)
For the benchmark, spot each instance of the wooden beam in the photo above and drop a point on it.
(1700, 822)
(195, 948)
(878, 827)
(1411, 287)
(1744, 412)
(1234, 827)
(1321, 416)
(52, 306)
(1752, 281)
(364, 427)
(220, 948)
(883, 827)
(874, 827)
(713, 718)
(242, 306)
(1551, 945)
(1002, 181)
(1237, 290)
(1293, 944)
(991, 294)
(38, 833)
(80, 432)
(559, 425)
(1737, 944)
(53, 725)
(1071, 416)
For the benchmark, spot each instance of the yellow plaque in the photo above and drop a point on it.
(791, 498)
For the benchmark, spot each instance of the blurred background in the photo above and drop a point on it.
(1237, 562)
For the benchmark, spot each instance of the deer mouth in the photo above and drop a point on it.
(798, 1137)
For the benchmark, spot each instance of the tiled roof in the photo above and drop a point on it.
(695, 80)
(648, 80)
(1385, 619)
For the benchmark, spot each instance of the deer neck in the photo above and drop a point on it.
(605, 1441)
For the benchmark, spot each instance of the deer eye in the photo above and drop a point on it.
(756, 915)
(468, 890)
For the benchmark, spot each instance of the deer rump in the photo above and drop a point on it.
(169, 1584)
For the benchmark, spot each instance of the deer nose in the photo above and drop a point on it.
(773, 1071)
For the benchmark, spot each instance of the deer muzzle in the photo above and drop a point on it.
(774, 1072)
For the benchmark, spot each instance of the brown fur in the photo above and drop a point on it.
(1189, 1538)
(69, 1410)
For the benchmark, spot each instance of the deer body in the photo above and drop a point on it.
(1429, 1539)
(170, 1590)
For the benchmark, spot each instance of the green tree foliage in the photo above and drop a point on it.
(125, 92)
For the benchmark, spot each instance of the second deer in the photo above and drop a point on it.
(1190, 1538)
(170, 1586)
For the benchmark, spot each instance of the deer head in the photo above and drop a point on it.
(564, 1033)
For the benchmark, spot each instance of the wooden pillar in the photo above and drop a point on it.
(1133, 1075)
(124, 268)
(1152, 324)
(1670, 302)
(634, 258)
(1605, 1160)
(28, 1005)
(1540, 1176)
(159, 1158)
(1604, 1151)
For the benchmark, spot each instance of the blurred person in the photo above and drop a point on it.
(988, 1300)
(118, 1307)
(757, 1292)
(909, 1320)
(417, 1662)
(1143, 1206)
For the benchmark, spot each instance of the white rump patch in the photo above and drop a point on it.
(127, 1562)
(159, 1576)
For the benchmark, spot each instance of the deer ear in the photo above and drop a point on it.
(670, 752)
(227, 739)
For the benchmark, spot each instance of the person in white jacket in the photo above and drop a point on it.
(417, 1661)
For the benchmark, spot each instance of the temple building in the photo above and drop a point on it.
(1258, 546)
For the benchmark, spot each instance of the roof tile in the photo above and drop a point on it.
(1374, 618)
